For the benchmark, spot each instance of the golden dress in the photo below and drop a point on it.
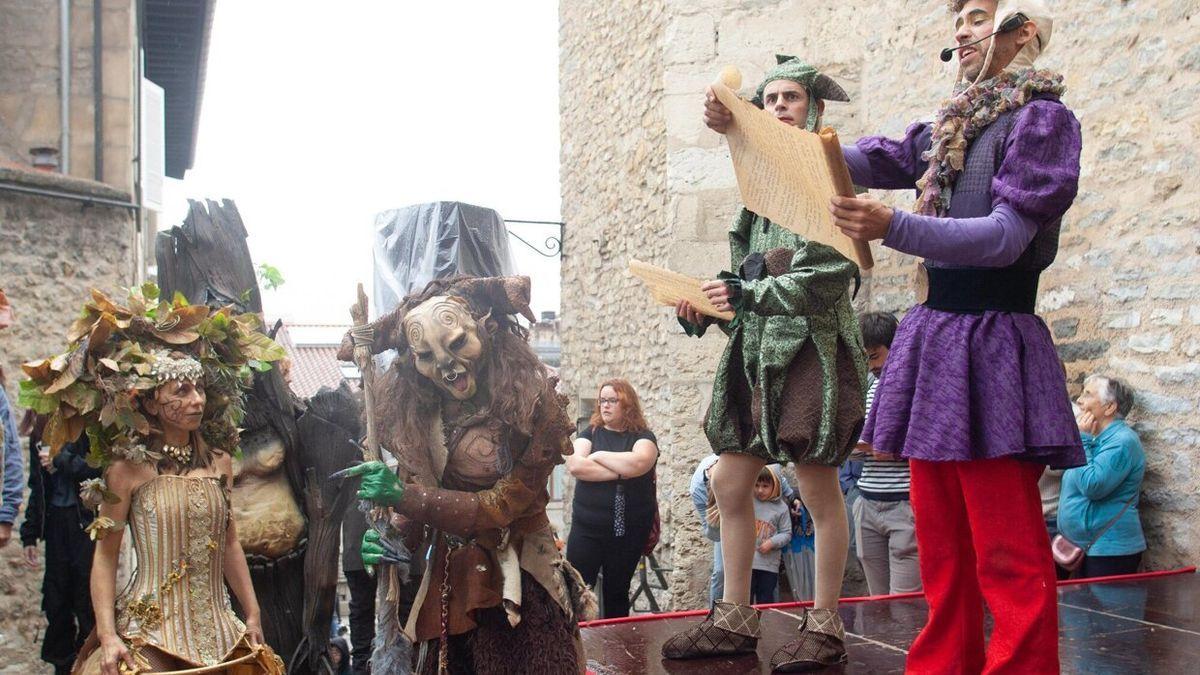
(176, 614)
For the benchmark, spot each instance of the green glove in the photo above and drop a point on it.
(370, 549)
(379, 484)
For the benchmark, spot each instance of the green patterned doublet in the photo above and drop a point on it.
(777, 316)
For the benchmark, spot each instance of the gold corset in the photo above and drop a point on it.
(177, 601)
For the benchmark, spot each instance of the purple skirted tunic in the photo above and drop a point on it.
(964, 386)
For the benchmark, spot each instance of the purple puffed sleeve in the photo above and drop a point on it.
(1039, 175)
(858, 164)
(994, 240)
(887, 163)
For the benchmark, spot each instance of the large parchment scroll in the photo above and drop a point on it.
(788, 174)
(668, 288)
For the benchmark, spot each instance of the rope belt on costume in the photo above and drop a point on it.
(362, 336)
(975, 291)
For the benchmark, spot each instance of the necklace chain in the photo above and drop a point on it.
(180, 454)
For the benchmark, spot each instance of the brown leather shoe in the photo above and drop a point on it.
(727, 630)
(821, 643)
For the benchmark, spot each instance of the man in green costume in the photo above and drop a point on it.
(789, 388)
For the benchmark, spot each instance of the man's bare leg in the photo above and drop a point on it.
(822, 638)
(822, 495)
(733, 485)
(731, 627)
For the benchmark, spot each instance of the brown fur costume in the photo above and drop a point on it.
(489, 503)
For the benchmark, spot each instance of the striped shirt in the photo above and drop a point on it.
(882, 480)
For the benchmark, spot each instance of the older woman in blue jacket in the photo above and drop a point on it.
(1098, 506)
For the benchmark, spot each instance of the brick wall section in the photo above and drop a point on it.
(51, 252)
(1121, 299)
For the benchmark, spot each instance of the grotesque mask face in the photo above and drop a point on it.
(445, 344)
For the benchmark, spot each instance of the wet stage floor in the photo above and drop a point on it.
(1134, 625)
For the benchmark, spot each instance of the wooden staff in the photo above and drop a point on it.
(389, 654)
(364, 335)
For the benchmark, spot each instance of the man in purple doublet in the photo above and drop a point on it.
(973, 392)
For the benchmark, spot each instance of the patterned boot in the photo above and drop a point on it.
(727, 630)
(821, 643)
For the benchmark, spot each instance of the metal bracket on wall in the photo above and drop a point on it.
(551, 247)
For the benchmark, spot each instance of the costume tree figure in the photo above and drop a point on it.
(289, 515)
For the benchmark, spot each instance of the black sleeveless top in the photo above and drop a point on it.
(596, 505)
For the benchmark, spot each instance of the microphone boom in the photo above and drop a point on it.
(1007, 26)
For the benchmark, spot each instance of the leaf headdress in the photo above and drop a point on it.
(117, 354)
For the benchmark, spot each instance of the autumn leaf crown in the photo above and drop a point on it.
(119, 353)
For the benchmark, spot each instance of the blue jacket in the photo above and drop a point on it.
(699, 492)
(14, 465)
(1095, 493)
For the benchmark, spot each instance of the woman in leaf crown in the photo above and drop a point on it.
(157, 388)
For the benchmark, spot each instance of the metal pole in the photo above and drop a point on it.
(64, 84)
(98, 88)
(143, 243)
(534, 222)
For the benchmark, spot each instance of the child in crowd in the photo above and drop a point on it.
(799, 558)
(773, 531)
(882, 515)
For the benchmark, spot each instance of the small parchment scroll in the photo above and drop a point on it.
(668, 288)
(788, 174)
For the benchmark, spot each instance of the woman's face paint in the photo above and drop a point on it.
(179, 404)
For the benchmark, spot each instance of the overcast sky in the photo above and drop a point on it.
(316, 118)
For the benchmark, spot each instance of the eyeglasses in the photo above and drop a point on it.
(609, 401)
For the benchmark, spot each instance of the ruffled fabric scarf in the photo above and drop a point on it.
(965, 116)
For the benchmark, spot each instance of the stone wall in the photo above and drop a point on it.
(614, 204)
(52, 251)
(1121, 299)
(29, 84)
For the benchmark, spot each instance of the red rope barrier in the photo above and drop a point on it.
(1129, 577)
(871, 598)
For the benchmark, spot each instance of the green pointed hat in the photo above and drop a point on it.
(818, 85)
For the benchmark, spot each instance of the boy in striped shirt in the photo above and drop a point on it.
(883, 516)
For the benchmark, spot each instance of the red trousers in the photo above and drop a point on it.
(981, 537)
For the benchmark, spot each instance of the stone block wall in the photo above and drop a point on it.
(1121, 299)
(614, 204)
(51, 252)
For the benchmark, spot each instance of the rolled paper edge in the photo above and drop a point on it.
(844, 187)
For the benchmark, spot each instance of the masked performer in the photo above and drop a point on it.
(157, 388)
(472, 414)
(789, 388)
(973, 392)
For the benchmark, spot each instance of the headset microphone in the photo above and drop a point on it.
(1009, 25)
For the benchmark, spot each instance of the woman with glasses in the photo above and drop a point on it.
(615, 504)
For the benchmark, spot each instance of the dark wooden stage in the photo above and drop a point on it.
(1148, 623)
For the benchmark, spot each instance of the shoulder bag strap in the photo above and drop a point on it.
(1112, 522)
